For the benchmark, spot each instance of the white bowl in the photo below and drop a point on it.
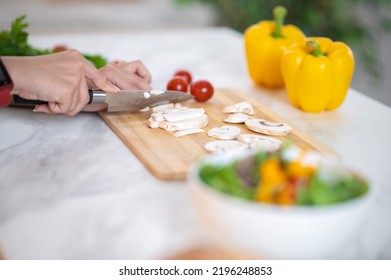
(260, 230)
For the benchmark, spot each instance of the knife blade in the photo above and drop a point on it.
(123, 100)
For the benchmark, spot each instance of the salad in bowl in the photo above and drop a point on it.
(287, 204)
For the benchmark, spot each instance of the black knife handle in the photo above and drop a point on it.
(20, 101)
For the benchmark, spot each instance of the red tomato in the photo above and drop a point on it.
(202, 90)
(59, 48)
(177, 84)
(184, 74)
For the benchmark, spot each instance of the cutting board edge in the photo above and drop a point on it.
(167, 176)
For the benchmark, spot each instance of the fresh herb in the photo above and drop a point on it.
(15, 43)
(98, 60)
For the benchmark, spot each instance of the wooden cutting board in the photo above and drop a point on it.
(168, 157)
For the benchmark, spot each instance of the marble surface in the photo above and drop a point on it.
(70, 189)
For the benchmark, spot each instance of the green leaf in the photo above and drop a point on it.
(337, 188)
(225, 179)
(98, 60)
(15, 43)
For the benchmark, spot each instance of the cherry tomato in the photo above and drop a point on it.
(59, 48)
(185, 74)
(178, 84)
(202, 90)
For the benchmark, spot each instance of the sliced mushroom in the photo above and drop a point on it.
(152, 123)
(147, 94)
(226, 132)
(183, 114)
(237, 118)
(225, 146)
(266, 143)
(267, 127)
(188, 132)
(157, 117)
(162, 108)
(156, 91)
(242, 107)
(185, 124)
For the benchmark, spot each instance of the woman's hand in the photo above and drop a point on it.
(63, 79)
(124, 75)
(60, 79)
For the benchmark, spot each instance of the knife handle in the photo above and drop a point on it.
(96, 96)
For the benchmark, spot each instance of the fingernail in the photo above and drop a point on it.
(114, 87)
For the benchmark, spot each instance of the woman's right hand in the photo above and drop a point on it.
(60, 79)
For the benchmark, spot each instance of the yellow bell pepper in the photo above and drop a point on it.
(264, 45)
(317, 74)
(273, 180)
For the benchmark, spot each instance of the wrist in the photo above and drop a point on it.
(6, 84)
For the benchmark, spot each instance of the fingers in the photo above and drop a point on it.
(98, 78)
(82, 99)
(63, 79)
(79, 101)
(123, 79)
(135, 67)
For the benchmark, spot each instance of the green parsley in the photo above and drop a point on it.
(15, 43)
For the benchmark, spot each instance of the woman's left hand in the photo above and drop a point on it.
(125, 75)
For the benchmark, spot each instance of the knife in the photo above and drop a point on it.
(123, 100)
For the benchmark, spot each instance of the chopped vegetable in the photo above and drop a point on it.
(268, 177)
(15, 43)
(225, 179)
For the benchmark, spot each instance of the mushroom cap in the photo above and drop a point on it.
(255, 141)
(237, 118)
(225, 146)
(226, 132)
(241, 107)
(268, 127)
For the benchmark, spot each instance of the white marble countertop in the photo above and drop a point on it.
(70, 189)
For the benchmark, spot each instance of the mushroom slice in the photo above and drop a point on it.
(188, 132)
(266, 143)
(225, 146)
(242, 107)
(152, 123)
(163, 107)
(183, 114)
(226, 132)
(185, 124)
(156, 91)
(267, 127)
(237, 118)
(147, 94)
(157, 117)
